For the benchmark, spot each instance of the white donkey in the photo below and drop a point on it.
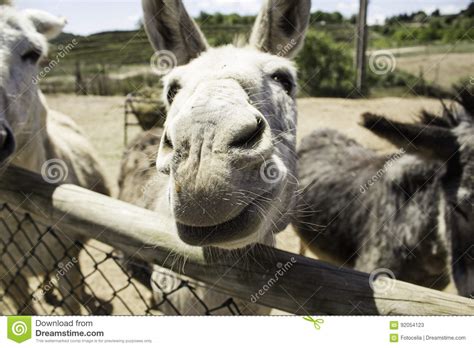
(40, 140)
(227, 158)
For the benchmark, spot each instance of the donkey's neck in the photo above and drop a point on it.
(31, 150)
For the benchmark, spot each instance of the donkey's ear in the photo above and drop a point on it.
(45, 23)
(431, 142)
(281, 27)
(169, 27)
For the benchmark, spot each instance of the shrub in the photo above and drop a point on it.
(407, 83)
(325, 67)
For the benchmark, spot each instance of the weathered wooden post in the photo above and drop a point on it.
(81, 88)
(361, 47)
(102, 80)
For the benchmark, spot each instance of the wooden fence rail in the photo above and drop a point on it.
(308, 287)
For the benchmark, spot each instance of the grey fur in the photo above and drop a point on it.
(169, 27)
(410, 213)
(281, 26)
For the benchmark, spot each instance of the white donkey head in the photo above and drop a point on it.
(23, 41)
(230, 135)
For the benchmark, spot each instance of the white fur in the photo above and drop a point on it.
(211, 182)
(40, 135)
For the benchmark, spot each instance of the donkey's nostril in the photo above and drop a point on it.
(7, 143)
(3, 137)
(167, 141)
(249, 137)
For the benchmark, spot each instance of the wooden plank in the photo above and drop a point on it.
(308, 286)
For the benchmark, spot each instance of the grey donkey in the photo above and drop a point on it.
(410, 212)
(38, 139)
(226, 162)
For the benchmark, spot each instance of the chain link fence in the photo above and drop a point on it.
(144, 110)
(48, 267)
(44, 272)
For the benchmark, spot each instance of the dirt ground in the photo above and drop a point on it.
(444, 69)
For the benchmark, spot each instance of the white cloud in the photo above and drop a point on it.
(348, 6)
(224, 6)
(86, 16)
(134, 18)
(444, 9)
(376, 19)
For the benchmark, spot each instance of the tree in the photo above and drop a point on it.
(469, 11)
(325, 68)
(420, 16)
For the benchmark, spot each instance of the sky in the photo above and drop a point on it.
(92, 16)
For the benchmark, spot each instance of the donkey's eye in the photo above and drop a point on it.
(172, 91)
(32, 56)
(285, 80)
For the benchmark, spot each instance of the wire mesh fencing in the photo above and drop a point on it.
(44, 271)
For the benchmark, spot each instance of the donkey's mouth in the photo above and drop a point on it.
(223, 235)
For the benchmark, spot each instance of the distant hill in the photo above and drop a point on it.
(121, 48)
(115, 48)
(117, 62)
